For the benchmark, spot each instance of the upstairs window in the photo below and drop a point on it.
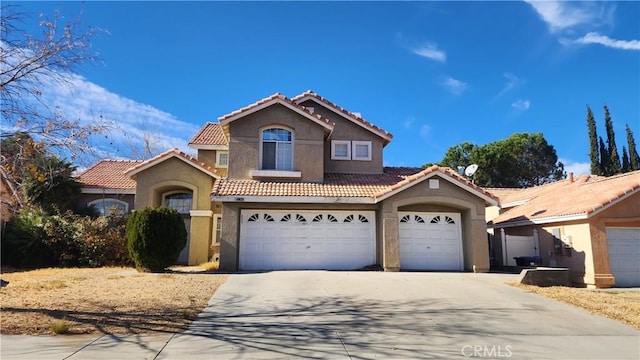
(340, 150)
(361, 150)
(277, 149)
(222, 159)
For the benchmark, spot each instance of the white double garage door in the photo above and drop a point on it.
(344, 240)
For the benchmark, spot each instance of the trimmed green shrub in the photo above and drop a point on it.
(155, 237)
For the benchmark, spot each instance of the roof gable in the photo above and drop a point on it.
(353, 117)
(169, 154)
(566, 200)
(444, 173)
(209, 137)
(276, 98)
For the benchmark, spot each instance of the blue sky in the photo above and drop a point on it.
(434, 74)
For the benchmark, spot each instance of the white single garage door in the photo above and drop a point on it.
(430, 241)
(306, 239)
(624, 255)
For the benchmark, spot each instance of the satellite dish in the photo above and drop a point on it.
(471, 169)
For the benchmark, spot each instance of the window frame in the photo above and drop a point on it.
(354, 154)
(333, 149)
(103, 200)
(219, 163)
(292, 142)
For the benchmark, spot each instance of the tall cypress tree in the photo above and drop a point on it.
(625, 160)
(604, 158)
(634, 159)
(614, 159)
(594, 154)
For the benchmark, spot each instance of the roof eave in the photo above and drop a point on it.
(293, 199)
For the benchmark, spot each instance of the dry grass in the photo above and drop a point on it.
(617, 304)
(103, 300)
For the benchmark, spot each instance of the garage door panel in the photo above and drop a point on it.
(306, 239)
(430, 241)
(623, 245)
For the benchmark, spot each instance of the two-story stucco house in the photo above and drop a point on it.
(299, 183)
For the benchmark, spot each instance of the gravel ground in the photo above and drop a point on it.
(103, 300)
(618, 304)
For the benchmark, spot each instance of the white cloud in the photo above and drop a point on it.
(595, 38)
(521, 104)
(513, 82)
(81, 99)
(563, 15)
(454, 86)
(425, 130)
(431, 51)
(577, 168)
(409, 122)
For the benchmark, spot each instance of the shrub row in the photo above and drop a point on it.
(34, 239)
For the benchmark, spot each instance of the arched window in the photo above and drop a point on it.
(110, 206)
(276, 146)
(180, 200)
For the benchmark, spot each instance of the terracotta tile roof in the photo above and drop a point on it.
(372, 186)
(169, 154)
(350, 115)
(109, 174)
(210, 134)
(585, 196)
(276, 97)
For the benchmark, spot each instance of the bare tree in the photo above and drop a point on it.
(29, 65)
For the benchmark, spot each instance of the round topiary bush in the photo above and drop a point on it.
(155, 237)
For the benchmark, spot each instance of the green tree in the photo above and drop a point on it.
(521, 160)
(604, 157)
(625, 160)
(458, 155)
(35, 175)
(612, 150)
(634, 159)
(594, 154)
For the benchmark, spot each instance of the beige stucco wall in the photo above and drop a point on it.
(230, 231)
(448, 197)
(345, 129)
(174, 174)
(244, 145)
(209, 157)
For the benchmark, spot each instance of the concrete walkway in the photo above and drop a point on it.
(362, 315)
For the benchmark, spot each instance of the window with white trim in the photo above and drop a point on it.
(109, 206)
(361, 150)
(340, 150)
(179, 200)
(222, 159)
(276, 146)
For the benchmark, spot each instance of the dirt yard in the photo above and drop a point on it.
(618, 304)
(103, 300)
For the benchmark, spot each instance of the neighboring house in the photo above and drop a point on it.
(106, 187)
(300, 184)
(589, 224)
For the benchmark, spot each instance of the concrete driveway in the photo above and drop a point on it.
(366, 315)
